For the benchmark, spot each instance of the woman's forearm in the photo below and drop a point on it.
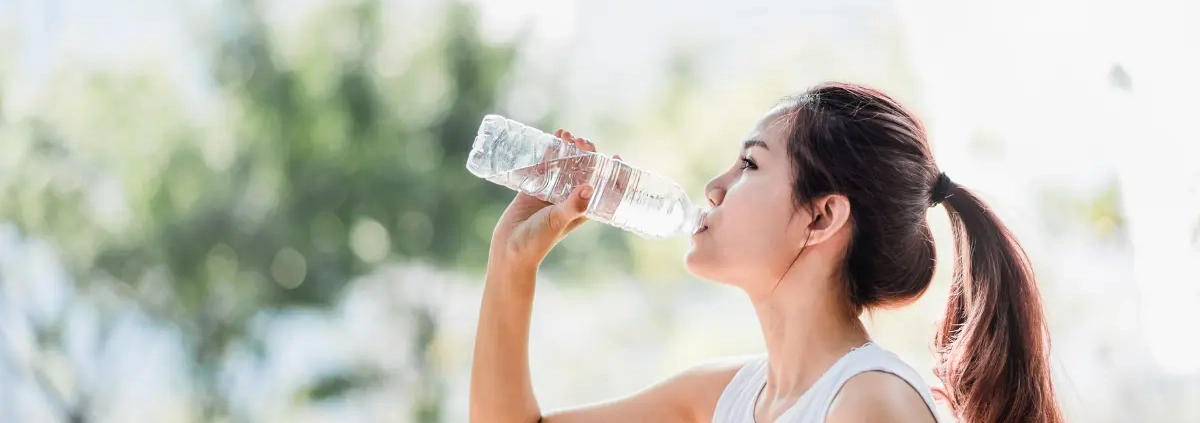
(501, 391)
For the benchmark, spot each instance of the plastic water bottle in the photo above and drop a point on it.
(525, 159)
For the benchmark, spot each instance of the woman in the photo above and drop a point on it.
(820, 217)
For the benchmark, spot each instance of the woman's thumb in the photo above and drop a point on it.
(567, 211)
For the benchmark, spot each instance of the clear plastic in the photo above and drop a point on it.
(525, 159)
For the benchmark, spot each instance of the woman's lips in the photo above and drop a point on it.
(703, 226)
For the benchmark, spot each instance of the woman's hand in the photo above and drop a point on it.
(530, 228)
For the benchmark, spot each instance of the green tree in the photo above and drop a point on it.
(317, 169)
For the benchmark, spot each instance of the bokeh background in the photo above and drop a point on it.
(258, 211)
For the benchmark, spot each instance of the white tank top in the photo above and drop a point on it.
(737, 401)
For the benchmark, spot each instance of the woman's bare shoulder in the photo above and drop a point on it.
(878, 397)
(701, 385)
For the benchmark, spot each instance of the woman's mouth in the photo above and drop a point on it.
(703, 226)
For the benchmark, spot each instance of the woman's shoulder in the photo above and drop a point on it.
(701, 385)
(878, 396)
(880, 386)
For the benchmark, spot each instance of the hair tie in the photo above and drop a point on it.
(940, 190)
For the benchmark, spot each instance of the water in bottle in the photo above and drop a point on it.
(525, 159)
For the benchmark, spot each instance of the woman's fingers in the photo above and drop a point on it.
(567, 137)
(585, 144)
(563, 215)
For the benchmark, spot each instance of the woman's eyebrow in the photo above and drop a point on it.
(746, 145)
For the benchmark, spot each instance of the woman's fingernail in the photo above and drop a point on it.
(586, 193)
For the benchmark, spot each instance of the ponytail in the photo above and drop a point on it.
(993, 346)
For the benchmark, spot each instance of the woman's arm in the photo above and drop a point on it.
(500, 386)
(690, 396)
(501, 391)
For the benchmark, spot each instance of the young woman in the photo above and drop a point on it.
(820, 217)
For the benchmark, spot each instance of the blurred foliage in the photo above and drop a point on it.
(313, 168)
(1094, 214)
(337, 385)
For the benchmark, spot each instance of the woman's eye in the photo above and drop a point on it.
(748, 163)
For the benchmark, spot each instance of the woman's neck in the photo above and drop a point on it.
(806, 328)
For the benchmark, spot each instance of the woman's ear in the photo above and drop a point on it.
(829, 215)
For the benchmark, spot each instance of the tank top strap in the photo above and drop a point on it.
(736, 403)
(868, 358)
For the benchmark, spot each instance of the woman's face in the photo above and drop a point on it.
(754, 231)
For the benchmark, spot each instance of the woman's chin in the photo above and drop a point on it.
(697, 264)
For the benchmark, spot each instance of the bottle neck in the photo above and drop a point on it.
(695, 220)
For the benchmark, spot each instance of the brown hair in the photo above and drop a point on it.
(993, 346)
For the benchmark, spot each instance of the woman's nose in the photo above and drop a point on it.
(715, 194)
